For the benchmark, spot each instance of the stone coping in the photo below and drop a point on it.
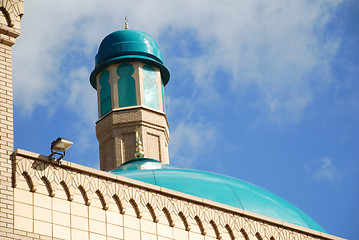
(176, 194)
(132, 108)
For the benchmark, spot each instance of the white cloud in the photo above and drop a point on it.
(274, 46)
(327, 171)
(82, 99)
(189, 140)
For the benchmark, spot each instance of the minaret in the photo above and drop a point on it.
(129, 77)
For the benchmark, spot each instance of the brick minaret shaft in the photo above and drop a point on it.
(11, 13)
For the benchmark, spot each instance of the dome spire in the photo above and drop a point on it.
(139, 149)
(126, 23)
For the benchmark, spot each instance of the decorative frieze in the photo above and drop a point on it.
(141, 209)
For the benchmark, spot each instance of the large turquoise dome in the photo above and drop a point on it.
(128, 45)
(219, 188)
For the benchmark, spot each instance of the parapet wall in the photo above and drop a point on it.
(76, 202)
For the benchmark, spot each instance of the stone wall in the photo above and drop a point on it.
(76, 202)
(10, 15)
(116, 134)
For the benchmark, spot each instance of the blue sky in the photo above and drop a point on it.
(264, 91)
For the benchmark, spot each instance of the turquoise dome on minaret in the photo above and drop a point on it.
(128, 45)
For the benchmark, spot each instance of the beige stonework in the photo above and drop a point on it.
(108, 206)
(10, 15)
(116, 133)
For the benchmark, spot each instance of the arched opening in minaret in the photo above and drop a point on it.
(150, 87)
(105, 92)
(126, 85)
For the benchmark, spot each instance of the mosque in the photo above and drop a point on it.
(137, 194)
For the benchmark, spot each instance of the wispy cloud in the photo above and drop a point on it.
(189, 140)
(80, 95)
(274, 46)
(327, 171)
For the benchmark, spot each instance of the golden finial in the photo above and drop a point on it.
(126, 23)
(139, 149)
